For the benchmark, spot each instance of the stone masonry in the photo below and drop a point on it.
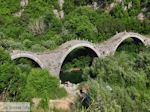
(53, 60)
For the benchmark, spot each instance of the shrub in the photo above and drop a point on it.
(41, 84)
(12, 80)
(36, 9)
(9, 7)
(49, 44)
(11, 44)
(37, 48)
(81, 27)
(27, 43)
(53, 22)
(4, 56)
(123, 87)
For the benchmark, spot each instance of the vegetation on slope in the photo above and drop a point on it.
(118, 83)
(121, 83)
(123, 87)
(38, 29)
(18, 84)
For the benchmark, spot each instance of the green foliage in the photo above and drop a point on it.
(119, 12)
(13, 6)
(53, 22)
(68, 6)
(81, 27)
(4, 57)
(19, 82)
(81, 21)
(44, 104)
(37, 48)
(27, 43)
(26, 65)
(124, 86)
(108, 26)
(38, 29)
(105, 25)
(42, 85)
(74, 64)
(12, 80)
(37, 8)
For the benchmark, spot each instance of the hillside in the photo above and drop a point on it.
(118, 83)
(39, 25)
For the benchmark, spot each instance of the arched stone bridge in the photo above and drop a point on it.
(53, 60)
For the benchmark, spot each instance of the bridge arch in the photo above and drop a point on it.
(29, 56)
(86, 45)
(122, 38)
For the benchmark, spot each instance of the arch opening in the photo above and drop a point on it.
(130, 45)
(74, 64)
(26, 64)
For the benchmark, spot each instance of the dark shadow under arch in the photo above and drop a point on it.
(131, 44)
(24, 59)
(26, 64)
(77, 59)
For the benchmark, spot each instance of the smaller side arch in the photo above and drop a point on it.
(27, 55)
(126, 36)
(87, 45)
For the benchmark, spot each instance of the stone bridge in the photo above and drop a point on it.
(53, 60)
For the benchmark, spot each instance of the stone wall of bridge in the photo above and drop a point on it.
(53, 60)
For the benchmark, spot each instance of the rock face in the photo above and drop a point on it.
(59, 13)
(56, 13)
(61, 2)
(141, 16)
(110, 7)
(71, 88)
(95, 5)
(129, 5)
(62, 104)
(118, 1)
(19, 13)
(36, 102)
(24, 3)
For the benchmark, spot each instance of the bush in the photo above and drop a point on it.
(122, 82)
(41, 84)
(36, 9)
(53, 22)
(81, 27)
(37, 48)
(4, 57)
(9, 7)
(27, 43)
(11, 44)
(12, 80)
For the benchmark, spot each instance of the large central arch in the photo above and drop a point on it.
(86, 45)
(29, 56)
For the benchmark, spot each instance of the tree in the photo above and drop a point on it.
(11, 79)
